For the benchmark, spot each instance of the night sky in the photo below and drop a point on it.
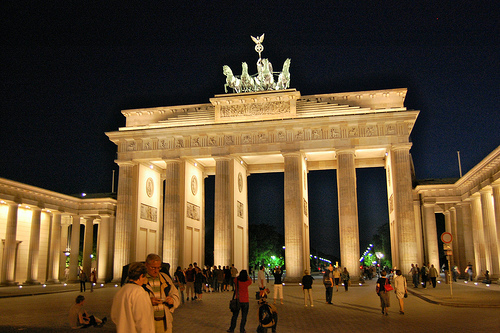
(68, 70)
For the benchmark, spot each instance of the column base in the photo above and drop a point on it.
(54, 281)
(32, 283)
(9, 284)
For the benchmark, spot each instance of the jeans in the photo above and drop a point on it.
(244, 313)
(329, 293)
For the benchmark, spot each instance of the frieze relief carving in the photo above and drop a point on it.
(353, 131)
(246, 139)
(246, 110)
(212, 141)
(280, 135)
(193, 211)
(149, 213)
(334, 133)
(240, 209)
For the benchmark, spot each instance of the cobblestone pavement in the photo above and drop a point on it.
(471, 308)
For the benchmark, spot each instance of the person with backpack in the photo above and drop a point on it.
(267, 314)
(328, 282)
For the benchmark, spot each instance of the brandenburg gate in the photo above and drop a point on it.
(164, 154)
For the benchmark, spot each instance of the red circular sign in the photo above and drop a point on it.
(446, 237)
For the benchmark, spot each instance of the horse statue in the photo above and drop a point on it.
(247, 82)
(284, 77)
(265, 74)
(231, 80)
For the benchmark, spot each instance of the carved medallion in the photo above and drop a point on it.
(240, 182)
(194, 185)
(150, 187)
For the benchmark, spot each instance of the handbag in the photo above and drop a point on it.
(234, 304)
(388, 286)
(406, 294)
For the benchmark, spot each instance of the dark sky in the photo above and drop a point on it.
(67, 70)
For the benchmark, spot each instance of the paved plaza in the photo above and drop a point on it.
(471, 308)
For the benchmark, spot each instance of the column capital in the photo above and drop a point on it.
(401, 146)
(125, 163)
(486, 189)
(292, 153)
(345, 151)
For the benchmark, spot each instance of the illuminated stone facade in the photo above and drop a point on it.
(236, 135)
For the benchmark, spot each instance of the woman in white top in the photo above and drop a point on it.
(400, 288)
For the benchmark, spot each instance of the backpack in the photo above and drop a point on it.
(266, 318)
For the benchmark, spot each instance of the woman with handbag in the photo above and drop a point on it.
(383, 288)
(401, 290)
(241, 293)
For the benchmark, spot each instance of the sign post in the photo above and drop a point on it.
(447, 238)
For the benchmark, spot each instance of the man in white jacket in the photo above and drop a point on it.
(132, 311)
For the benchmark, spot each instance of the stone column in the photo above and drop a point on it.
(403, 206)
(63, 254)
(88, 244)
(294, 231)
(111, 247)
(430, 234)
(490, 233)
(173, 212)
(55, 249)
(223, 226)
(478, 235)
(34, 248)
(453, 219)
(348, 212)
(496, 204)
(9, 252)
(103, 248)
(74, 249)
(466, 240)
(125, 211)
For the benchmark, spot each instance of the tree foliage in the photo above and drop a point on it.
(265, 246)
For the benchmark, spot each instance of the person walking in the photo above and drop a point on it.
(469, 271)
(278, 284)
(336, 277)
(401, 290)
(382, 292)
(344, 276)
(131, 310)
(328, 282)
(242, 283)
(307, 281)
(424, 273)
(433, 274)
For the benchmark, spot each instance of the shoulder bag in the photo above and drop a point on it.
(234, 303)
